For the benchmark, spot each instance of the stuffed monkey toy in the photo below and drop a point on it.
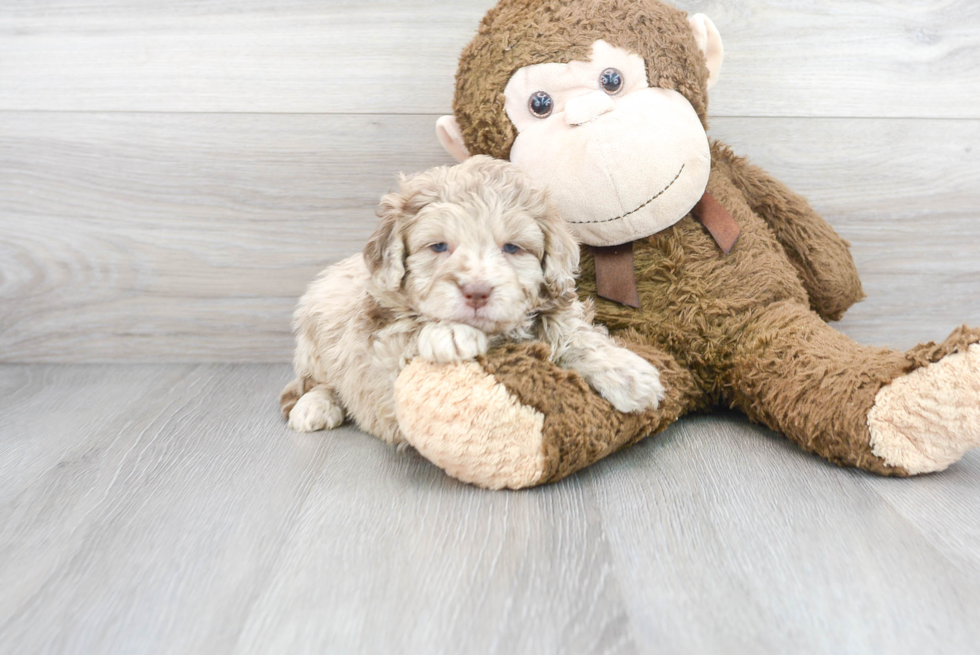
(701, 263)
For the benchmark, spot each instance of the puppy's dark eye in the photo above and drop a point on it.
(611, 81)
(541, 104)
(439, 247)
(511, 249)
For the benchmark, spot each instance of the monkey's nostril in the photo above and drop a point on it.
(477, 294)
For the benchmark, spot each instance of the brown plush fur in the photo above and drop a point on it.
(821, 258)
(580, 427)
(518, 33)
(745, 330)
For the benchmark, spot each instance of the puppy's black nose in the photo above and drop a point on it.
(477, 294)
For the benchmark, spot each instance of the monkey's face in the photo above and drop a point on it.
(621, 160)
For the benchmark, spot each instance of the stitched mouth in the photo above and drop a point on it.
(619, 218)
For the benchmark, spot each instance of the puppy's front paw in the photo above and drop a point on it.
(317, 409)
(629, 382)
(445, 343)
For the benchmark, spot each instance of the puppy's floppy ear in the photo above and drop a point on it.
(384, 253)
(561, 253)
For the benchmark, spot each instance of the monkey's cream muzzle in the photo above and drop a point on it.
(621, 164)
(622, 169)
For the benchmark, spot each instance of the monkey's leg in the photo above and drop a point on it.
(881, 410)
(514, 419)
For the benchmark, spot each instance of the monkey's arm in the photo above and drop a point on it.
(821, 257)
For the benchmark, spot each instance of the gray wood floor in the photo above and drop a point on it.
(167, 509)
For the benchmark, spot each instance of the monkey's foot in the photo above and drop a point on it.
(926, 420)
(466, 423)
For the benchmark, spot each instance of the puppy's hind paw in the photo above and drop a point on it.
(630, 384)
(317, 409)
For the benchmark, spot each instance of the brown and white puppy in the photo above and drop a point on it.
(464, 256)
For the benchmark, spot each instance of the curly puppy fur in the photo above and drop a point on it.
(464, 257)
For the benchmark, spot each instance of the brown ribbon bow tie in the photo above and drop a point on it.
(614, 272)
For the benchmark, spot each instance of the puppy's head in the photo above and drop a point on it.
(474, 243)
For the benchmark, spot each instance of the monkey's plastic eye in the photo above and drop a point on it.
(541, 104)
(511, 248)
(611, 81)
(439, 247)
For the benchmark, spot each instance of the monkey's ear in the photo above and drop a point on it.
(709, 40)
(451, 138)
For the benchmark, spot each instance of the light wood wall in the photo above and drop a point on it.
(173, 174)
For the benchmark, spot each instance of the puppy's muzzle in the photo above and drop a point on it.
(477, 294)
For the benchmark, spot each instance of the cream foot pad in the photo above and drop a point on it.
(928, 419)
(466, 423)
